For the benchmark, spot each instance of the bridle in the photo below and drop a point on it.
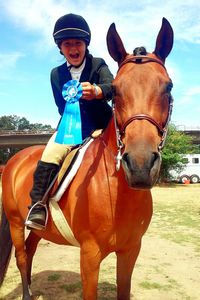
(141, 59)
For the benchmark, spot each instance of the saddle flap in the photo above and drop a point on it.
(69, 170)
(67, 164)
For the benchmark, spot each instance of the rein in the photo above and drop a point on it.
(140, 59)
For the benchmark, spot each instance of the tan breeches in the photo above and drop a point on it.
(54, 152)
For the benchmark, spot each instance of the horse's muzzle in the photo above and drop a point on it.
(141, 173)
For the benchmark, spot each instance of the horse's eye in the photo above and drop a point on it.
(169, 87)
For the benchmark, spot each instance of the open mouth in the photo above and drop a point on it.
(74, 56)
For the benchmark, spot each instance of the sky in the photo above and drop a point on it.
(28, 52)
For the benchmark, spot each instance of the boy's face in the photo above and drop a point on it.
(73, 50)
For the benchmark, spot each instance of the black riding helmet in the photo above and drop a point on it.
(71, 26)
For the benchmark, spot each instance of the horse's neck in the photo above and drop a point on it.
(115, 176)
(109, 140)
(109, 136)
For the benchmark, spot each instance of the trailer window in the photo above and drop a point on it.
(185, 160)
(195, 160)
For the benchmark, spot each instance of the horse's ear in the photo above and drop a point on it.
(115, 46)
(165, 39)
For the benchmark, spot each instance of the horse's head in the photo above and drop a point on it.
(142, 102)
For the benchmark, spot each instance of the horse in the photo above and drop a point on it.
(108, 205)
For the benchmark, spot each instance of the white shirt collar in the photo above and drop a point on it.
(76, 72)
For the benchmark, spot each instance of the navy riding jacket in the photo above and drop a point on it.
(95, 114)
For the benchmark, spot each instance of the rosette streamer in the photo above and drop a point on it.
(69, 130)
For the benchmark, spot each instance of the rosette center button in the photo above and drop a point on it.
(72, 91)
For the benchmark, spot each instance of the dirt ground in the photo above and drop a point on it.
(164, 270)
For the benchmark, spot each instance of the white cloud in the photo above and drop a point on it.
(194, 91)
(136, 22)
(8, 62)
(190, 96)
(9, 59)
(173, 71)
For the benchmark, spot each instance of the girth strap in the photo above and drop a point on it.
(61, 223)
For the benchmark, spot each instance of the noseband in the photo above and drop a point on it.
(142, 59)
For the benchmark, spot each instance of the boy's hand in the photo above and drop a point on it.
(90, 91)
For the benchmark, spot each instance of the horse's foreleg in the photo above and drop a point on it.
(125, 263)
(90, 262)
(31, 246)
(17, 233)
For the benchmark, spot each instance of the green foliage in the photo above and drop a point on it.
(177, 144)
(16, 123)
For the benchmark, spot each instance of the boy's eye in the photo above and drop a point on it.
(66, 44)
(75, 44)
(78, 44)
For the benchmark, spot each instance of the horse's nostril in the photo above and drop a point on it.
(126, 160)
(125, 156)
(155, 156)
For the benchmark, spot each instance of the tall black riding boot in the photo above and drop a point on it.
(43, 176)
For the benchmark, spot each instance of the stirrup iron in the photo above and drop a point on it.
(32, 225)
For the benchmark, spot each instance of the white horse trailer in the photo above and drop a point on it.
(191, 171)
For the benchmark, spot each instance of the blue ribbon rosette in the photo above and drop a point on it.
(69, 130)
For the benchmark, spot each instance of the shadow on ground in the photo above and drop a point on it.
(51, 285)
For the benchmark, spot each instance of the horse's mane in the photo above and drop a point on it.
(139, 51)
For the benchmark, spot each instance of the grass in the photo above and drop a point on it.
(72, 287)
(54, 277)
(151, 285)
(167, 271)
(177, 214)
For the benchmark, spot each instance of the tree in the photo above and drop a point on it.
(8, 122)
(16, 123)
(177, 144)
(40, 127)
